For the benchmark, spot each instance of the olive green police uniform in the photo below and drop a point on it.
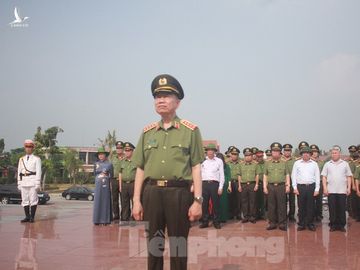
(248, 172)
(291, 196)
(318, 215)
(167, 156)
(127, 171)
(353, 199)
(276, 172)
(235, 195)
(115, 193)
(260, 196)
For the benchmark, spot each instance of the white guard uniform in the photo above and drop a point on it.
(29, 184)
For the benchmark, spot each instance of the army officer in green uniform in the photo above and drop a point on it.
(168, 157)
(233, 188)
(315, 153)
(249, 178)
(126, 182)
(115, 189)
(277, 185)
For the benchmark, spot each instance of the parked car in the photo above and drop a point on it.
(78, 192)
(10, 194)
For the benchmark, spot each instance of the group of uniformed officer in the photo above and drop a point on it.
(163, 177)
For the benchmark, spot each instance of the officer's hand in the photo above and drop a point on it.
(239, 188)
(256, 187)
(316, 193)
(348, 192)
(266, 190)
(138, 211)
(287, 189)
(229, 190)
(358, 193)
(192, 188)
(354, 188)
(195, 211)
(326, 193)
(220, 191)
(296, 192)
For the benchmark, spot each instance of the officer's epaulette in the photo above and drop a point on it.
(188, 124)
(150, 127)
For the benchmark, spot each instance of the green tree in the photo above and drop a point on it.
(2, 146)
(72, 164)
(46, 149)
(109, 141)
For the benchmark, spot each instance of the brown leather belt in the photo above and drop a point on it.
(169, 183)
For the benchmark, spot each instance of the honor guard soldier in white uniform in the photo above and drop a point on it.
(29, 177)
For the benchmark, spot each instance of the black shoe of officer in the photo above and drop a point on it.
(245, 220)
(283, 227)
(217, 225)
(300, 228)
(33, 212)
(204, 225)
(271, 227)
(311, 227)
(27, 214)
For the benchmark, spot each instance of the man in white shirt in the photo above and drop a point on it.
(306, 184)
(212, 174)
(29, 178)
(337, 178)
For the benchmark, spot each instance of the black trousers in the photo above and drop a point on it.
(115, 195)
(167, 208)
(291, 200)
(127, 192)
(318, 202)
(260, 201)
(235, 200)
(210, 190)
(277, 204)
(248, 196)
(355, 205)
(306, 204)
(337, 210)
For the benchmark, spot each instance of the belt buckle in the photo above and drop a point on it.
(248, 183)
(161, 183)
(276, 184)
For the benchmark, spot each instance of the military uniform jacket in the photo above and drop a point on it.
(357, 173)
(248, 171)
(33, 164)
(169, 154)
(234, 170)
(127, 170)
(117, 163)
(276, 171)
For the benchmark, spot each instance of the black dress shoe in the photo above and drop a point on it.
(312, 228)
(204, 225)
(253, 220)
(332, 229)
(300, 228)
(283, 228)
(25, 220)
(342, 229)
(245, 220)
(271, 227)
(31, 220)
(217, 226)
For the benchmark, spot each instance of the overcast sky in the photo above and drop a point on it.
(253, 71)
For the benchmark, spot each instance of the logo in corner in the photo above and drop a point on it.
(19, 21)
